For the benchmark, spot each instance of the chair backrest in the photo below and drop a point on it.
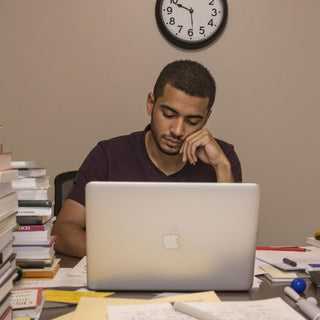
(63, 183)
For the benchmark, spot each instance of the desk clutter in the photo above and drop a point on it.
(27, 252)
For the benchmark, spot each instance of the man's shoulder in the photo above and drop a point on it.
(224, 144)
(123, 140)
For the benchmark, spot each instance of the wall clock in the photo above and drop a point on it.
(191, 24)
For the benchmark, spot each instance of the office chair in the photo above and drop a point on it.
(63, 183)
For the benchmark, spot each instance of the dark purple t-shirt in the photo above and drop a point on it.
(125, 158)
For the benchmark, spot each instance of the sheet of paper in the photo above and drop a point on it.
(275, 309)
(71, 296)
(157, 311)
(95, 308)
(80, 269)
(301, 258)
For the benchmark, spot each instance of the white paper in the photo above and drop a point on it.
(301, 258)
(275, 309)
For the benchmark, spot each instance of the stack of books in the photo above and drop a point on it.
(8, 208)
(33, 243)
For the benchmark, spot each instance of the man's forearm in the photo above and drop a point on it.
(224, 172)
(71, 240)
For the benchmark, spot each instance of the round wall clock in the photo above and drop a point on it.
(191, 24)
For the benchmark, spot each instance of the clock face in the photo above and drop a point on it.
(191, 24)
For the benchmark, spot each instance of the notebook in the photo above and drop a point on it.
(156, 236)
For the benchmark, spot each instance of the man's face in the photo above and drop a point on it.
(174, 116)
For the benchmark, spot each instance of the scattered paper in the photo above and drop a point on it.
(275, 309)
(66, 296)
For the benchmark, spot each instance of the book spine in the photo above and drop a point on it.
(35, 220)
(35, 203)
(31, 228)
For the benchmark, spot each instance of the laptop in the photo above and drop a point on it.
(156, 236)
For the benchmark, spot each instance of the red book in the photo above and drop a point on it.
(37, 227)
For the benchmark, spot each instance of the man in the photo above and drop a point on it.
(174, 147)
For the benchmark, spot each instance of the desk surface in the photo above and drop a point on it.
(265, 291)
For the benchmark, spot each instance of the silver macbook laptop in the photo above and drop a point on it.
(146, 236)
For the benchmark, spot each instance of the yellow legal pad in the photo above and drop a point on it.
(66, 296)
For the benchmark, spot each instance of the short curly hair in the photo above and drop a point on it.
(188, 76)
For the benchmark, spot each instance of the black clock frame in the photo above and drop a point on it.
(184, 44)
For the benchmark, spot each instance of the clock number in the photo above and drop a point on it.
(211, 3)
(173, 1)
(169, 10)
(201, 30)
(190, 32)
(210, 23)
(179, 27)
(172, 21)
(214, 12)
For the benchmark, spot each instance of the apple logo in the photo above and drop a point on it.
(170, 241)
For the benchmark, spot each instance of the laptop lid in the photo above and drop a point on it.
(171, 236)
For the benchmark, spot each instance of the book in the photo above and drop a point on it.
(5, 188)
(26, 298)
(6, 236)
(34, 263)
(8, 222)
(5, 160)
(27, 303)
(31, 237)
(5, 304)
(32, 173)
(8, 266)
(7, 315)
(43, 239)
(36, 211)
(8, 205)
(313, 241)
(32, 220)
(26, 228)
(8, 175)
(274, 274)
(28, 164)
(35, 207)
(46, 272)
(6, 284)
(31, 183)
(34, 194)
(34, 252)
(35, 203)
(6, 252)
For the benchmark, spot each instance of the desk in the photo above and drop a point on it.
(265, 291)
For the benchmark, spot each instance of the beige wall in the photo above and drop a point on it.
(74, 72)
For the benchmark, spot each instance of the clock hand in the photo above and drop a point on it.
(191, 14)
(181, 6)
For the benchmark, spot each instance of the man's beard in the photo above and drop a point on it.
(166, 152)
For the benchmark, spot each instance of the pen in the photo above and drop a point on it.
(193, 312)
(289, 262)
(283, 249)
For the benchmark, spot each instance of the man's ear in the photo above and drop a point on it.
(150, 103)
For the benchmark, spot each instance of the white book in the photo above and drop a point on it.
(35, 211)
(32, 173)
(5, 188)
(8, 205)
(34, 194)
(24, 164)
(8, 175)
(31, 183)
